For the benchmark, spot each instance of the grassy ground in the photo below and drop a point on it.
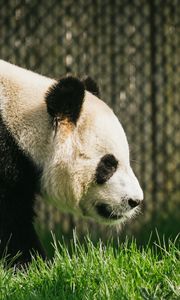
(98, 272)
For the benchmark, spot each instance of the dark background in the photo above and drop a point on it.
(132, 49)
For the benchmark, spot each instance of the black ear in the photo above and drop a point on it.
(65, 98)
(91, 86)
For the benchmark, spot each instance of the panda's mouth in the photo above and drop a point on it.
(106, 211)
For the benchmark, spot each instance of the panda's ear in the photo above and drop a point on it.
(91, 86)
(65, 98)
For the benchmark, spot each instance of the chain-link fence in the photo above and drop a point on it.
(132, 48)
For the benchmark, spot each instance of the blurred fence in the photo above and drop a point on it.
(132, 48)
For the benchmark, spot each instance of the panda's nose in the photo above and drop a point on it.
(133, 202)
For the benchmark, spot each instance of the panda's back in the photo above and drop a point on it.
(15, 80)
(22, 76)
(22, 107)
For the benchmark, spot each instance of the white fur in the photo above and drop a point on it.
(68, 159)
(23, 108)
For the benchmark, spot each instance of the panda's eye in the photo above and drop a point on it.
(105, 168)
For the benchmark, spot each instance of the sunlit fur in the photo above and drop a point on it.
(69, 157)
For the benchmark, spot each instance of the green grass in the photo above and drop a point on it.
(98, 272)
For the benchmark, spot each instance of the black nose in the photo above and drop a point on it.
(133, 203)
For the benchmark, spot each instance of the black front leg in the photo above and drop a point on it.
(19, 183)
(17, 233)
(19, 238)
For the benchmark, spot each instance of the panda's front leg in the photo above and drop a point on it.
(19, 244)
(18, 238)
(19, 183)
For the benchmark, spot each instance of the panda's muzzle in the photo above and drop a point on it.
(106, 211)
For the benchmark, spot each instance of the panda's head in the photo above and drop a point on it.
(88, 168)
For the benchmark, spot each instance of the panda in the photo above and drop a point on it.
(58, 139)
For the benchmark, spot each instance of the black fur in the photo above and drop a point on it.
(91, 86)
(106, 168)
(18, 185)
(106, 211)
(65, 99)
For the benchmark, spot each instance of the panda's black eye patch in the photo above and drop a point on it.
(105, 168)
